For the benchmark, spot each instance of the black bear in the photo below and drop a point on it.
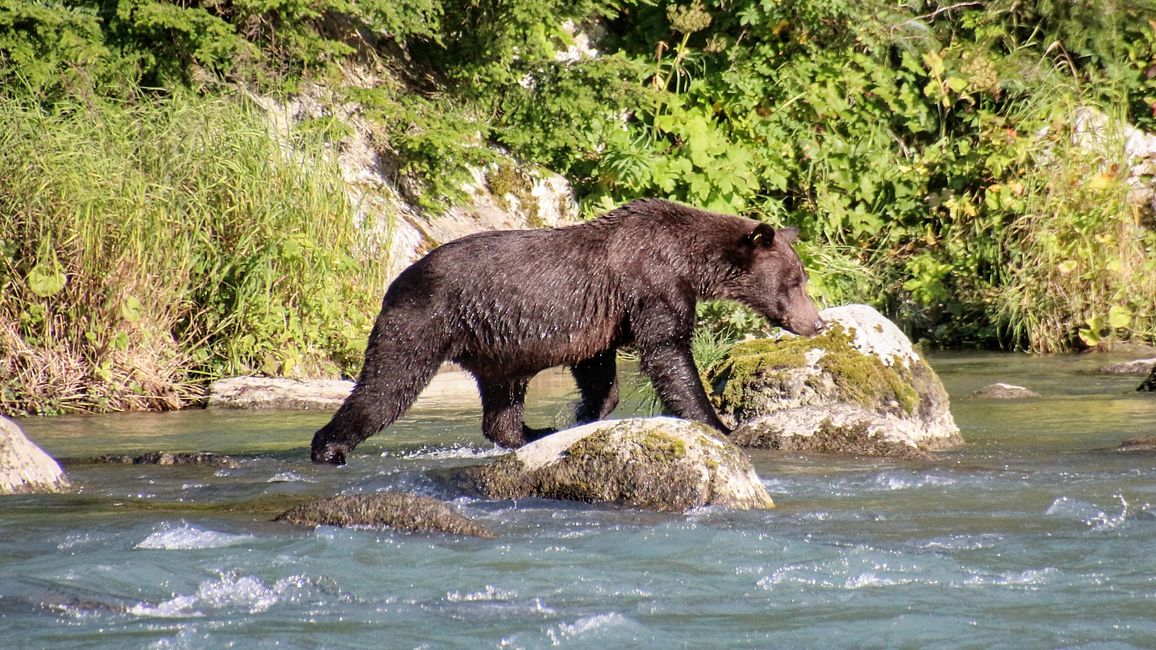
(506, 305)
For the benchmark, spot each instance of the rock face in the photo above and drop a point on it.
(405, 512)
(24, 467)
(1096, 131)
(1004, 391)
(858, 388)
(506, 194)
(662, 464)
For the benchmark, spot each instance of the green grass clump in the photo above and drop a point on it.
(148, 247)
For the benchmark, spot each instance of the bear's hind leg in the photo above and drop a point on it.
(503, 403)
(597, 379)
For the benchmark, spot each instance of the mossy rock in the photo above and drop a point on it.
(859, 387)
(405, 512)
(661, 464)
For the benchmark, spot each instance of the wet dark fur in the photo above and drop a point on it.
(507, 305)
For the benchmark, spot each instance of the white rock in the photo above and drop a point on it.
(24, 467)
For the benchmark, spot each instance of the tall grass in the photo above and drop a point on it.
(1081, 260)
(149, 247)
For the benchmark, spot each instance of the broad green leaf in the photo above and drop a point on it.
(1119, 316)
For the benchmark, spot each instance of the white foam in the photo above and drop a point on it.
(228, 591)
(490, 593)
(185, 537)
(584, 626)
(457, 451)
(289, 477)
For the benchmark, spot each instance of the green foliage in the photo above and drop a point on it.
(151, 246)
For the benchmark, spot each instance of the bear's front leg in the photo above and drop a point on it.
(671, 369)
(503, 402)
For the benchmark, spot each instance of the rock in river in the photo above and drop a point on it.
(858, 388)
(655, 463)
(24, 467)
(1001, 390)
(405, 512)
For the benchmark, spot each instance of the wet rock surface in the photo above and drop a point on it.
(663, 464)
(1004, 392)
(24, 467)
(395, 510)
(859, 388)
(208, 459)
(1144, 444)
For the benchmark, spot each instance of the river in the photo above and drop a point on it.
(1035, 534)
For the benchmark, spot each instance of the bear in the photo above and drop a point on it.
(505, 305)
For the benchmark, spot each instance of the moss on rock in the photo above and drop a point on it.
(860, 377)
(406, 512)
(656, 463)
(753, 366)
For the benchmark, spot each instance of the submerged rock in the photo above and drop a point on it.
(662, 464)
(858, 388)
(1004, 391)
(1134, 367)
(24, 467)
(405, 512)
(1145, 444)
(206, 458)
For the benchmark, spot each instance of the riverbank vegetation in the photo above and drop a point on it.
(155, 232)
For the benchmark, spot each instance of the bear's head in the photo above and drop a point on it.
(772, 280)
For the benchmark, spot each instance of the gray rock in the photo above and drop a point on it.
(278, 393)
(858, 388)
(449, 387)
(405, 512)
(1004, 391)
(662, 464)
(24, 467)
(1134, 367)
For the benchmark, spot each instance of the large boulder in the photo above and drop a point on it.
(655, 463)
(24, 467)
(399, 511)
(859, 388)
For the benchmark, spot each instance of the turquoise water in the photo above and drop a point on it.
(1033, 535)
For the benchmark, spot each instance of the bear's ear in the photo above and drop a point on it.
(762, 235)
